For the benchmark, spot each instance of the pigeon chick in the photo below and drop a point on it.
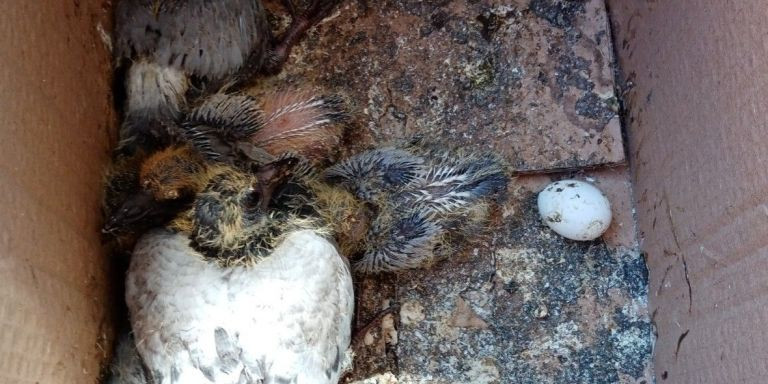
(425, 201)
(171, 43)
(232, 292)
(235, 129)
(164, 184)
(228, 127)
(121, 182)
(399, 207)
(130, 209)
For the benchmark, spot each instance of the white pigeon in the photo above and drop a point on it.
(228, 293)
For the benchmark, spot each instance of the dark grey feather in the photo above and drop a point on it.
(127, 366)
(216, 126)
(402, 242)
(209, 39)
(377, 171)
(227, 349)
(420, 195)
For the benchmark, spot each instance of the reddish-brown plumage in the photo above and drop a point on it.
(300, 123)
(171, 172)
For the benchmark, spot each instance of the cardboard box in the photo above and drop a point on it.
(57, 127)
(697, 140)
(695, 73)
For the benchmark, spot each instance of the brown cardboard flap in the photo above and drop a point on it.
(56, 119)
(698, 144)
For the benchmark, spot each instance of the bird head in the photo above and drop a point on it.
(168, 181)
(172, 173)
(232, 218)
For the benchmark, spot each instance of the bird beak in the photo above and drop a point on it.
(133, 210)
(273, 175)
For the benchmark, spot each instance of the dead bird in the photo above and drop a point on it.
(231, 292)
(171, 44)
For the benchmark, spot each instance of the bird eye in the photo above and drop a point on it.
(145, 184)
(252, 200)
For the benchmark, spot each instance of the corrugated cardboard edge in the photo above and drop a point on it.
(57, 125)
(698, 139)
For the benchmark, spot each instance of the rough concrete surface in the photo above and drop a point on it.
(521, 305)
(532, 81)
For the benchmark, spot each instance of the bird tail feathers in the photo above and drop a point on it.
(155, 100)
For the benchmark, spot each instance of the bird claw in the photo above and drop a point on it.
(301, 23)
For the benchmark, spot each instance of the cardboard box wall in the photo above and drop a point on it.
(698, 144)
(697, 136)
(56, 120)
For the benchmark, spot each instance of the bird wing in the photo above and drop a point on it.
(204, 38)
(299, 327)
(301, 123)
(285, 319)
(402, 240)
(177, 301)
(451, 182)
(285, 123)
(377, 172)
(216, 126)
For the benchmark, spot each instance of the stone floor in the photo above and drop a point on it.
(533, 81)
(521, 305)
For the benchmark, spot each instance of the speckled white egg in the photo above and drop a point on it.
(575, 209)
